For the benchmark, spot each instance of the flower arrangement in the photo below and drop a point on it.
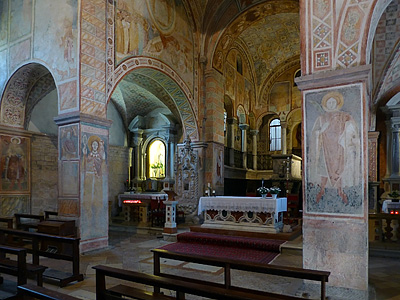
(394, 194)
(263, 190)
(274, 190)
(157, 165)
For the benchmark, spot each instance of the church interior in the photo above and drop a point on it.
(125, 123)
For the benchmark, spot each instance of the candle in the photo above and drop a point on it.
(209, 185)
(262, 182)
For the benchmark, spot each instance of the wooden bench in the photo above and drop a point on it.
(21, 222)
(8, 221)
(69, 252)
(29, 291)
(181, 287)
(228, 264)
(19, 267)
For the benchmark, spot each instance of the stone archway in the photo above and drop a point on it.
(30, 82)
(170, 81)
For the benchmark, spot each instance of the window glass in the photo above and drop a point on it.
(157, 159)
(275, 135)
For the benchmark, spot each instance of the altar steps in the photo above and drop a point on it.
(235, 247)
(285, 236)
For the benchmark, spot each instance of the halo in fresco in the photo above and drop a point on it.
(162, 13)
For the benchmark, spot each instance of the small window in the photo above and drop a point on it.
(225, 118)
(275, 135)
(157, 159)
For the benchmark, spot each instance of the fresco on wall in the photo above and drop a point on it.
(69, 185)
(3, 22)
(249, 99)
(333, 137)
(12, 204)
(230, 81)
(3, 66)
(239, 89)
(69, 142)
(155, 28)
(14, 164)
(20, 18)
(94, 179)
(280, 97)
(57, 45)
(20, 52)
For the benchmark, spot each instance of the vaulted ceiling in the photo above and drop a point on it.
(269, 31)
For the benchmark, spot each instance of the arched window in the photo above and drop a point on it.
(156, 155)
(275, 135)
(225, 118)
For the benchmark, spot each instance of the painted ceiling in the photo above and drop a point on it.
(270, 31)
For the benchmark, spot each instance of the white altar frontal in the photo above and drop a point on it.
(243, 213)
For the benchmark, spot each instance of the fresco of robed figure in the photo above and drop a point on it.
(334, 157)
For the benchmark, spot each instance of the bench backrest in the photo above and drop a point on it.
(38, 292)
(181, 287)
(20, 253)
(228, 264)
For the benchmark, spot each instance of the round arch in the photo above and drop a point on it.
(30, 81)
(171, 83)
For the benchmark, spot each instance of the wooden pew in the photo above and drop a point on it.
(228, 264)
(69, 252)
(29, 291)
(181, 288)
(27, 225)
(8, 221)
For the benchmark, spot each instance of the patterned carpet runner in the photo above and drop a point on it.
(233, 247)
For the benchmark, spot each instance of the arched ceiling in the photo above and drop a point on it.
(271, 32)
(140, 95)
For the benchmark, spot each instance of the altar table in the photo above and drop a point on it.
(243, 213)
(389, 205)
(139, 203)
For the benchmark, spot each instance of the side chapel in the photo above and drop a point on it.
(98, 96)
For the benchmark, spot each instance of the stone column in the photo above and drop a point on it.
(254, 134)
(392, 178)
(244, 128)
(373, 171)
(137, 154)
(335, 216)
(171, 144)
(83, 179)
(283, 137)
(232, 122)
(214, 129)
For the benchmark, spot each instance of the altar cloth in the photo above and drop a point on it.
(244, 204)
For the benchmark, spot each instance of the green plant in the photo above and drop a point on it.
(274, 190)
(157, 165)
(394, 194)
(263, 190)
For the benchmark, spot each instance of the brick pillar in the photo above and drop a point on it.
(214, 130)
(335, 215)
(83, 177)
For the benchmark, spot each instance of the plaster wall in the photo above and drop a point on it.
(44, 173)
(118, 174)
(117, 130)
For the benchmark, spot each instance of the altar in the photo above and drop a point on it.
(136, 206)
(243, 213)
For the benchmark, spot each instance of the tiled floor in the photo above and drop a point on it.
(130, 250)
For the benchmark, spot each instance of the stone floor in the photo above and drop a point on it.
(130, 250)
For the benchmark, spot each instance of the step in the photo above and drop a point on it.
(230, 241)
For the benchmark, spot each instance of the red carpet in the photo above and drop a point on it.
(238, 248)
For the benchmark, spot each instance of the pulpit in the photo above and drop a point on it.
(243, 213)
